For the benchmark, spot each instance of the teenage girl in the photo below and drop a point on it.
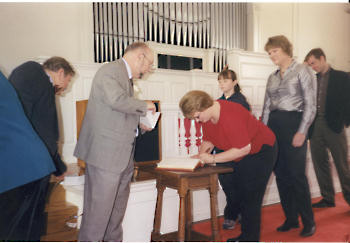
(231, 92)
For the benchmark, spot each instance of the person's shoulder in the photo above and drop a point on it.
(28, 71)
(111, 66)
(301, 67)
(240, 96)
(339, 73)
(305, 70)
(29, 65)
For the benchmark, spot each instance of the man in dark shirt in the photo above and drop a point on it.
(327, 131)
(36, 86)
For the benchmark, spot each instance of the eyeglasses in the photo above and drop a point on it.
(150, 63)
(148, 60)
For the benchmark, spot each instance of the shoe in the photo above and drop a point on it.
(323, 204)
(228, 224)
(308, 231)
(287, 226)
(236, 239)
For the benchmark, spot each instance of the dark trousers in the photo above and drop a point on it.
(232, 208)
(322, 140)
(291, 180)
(251, 176)
(22, 211)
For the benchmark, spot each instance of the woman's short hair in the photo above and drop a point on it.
(280, 41)
(195, 101)
(230, 74)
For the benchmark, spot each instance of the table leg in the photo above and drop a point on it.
(213, 189)
(189, 216)
(158, 211)
(182, 190)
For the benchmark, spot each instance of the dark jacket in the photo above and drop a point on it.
(239, 98)
(23, 156)
(337, 110)
(37, 95)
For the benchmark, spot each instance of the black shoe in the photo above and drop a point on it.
(236, 239)
(308, 231)
(323, 204)
(287, 226)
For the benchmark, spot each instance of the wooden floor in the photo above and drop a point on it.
(59, 213)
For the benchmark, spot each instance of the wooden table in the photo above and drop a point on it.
(184, 183)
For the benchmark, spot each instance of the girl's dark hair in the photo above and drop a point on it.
(230, 74)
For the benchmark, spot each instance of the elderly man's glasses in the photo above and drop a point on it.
(148, 60)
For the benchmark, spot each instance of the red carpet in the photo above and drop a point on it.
(332, 224)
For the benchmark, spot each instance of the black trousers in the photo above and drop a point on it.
(291, 180)
(251, 176)
(22, 211)
(232, 208)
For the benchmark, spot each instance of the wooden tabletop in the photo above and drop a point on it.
(202, 171)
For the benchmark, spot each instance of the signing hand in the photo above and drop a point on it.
(206, 158)
(298, 139)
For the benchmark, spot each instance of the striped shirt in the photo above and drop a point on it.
(296, 91)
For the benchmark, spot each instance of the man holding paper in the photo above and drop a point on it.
(106, 143)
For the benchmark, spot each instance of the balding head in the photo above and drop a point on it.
(140, 58)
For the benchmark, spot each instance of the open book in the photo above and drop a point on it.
(179, 164)
(150, 120)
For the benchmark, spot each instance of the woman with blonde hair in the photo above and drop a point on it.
(245, 141)
(289, 109)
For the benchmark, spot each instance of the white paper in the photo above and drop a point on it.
(150, 120)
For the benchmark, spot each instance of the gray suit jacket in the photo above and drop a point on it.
(108, 130)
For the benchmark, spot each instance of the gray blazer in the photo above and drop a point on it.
(108, 130)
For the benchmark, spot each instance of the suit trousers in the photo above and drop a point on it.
(290, 168)
(249, 182)
(322, 140)
(22, 211)
(106, 195)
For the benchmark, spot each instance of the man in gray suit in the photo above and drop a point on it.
(106, 143)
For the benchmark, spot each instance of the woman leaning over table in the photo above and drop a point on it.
(246, 141)
(289, 109)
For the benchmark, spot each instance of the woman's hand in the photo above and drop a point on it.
(206, 158)
(298, 139)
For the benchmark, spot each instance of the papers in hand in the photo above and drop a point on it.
(179, 164)
(150, 120)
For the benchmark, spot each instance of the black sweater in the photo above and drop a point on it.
(37, 95)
